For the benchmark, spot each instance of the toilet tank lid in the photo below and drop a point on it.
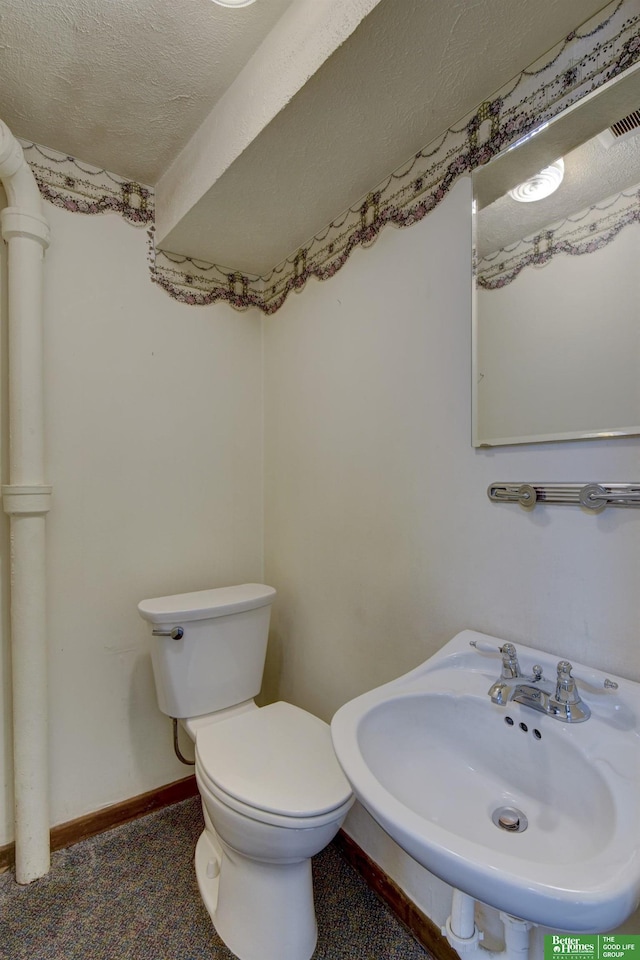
(204, 604)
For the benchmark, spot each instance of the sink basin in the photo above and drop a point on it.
(531, 815)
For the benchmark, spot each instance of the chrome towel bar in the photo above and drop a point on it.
(592, 496)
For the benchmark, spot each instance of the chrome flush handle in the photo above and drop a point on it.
(176, 633)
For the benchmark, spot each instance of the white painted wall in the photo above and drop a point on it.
(380, 538)
(153, 433)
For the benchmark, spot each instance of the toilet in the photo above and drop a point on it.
(273, 793)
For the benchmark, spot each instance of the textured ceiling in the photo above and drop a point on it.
(122, 84)
(126, 84)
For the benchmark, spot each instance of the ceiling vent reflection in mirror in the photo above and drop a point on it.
(623, 129)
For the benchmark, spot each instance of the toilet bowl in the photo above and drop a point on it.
(273, 797)
(273, 794)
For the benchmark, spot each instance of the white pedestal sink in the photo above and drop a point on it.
(536, 817)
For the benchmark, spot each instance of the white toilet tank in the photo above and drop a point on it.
(219, 659)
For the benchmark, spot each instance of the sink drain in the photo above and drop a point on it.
(510, 819)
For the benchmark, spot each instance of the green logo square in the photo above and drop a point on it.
(601, 947)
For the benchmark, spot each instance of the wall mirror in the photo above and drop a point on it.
(556, 316)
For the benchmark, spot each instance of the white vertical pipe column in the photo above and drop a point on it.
(460, 929)
(463, 934)
(26, 500)
(516, 937)
(463, 920)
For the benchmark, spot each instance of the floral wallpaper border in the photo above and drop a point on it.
(601, 49)
(584, 232)
(80, 188)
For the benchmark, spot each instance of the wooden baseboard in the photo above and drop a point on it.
(66, 834)
(418, 923)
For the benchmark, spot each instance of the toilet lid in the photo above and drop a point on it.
(278, 758)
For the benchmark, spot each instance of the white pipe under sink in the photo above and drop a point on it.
(463, 934)
(26, 499)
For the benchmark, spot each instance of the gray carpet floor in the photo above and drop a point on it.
(131, 894)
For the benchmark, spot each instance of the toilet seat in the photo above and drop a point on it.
(273, 764)
(208, 790)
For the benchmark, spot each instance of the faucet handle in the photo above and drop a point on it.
(510, 665)
(566, 685)
(606, 684)
(485, 646)
(567, 704)
(566, 689)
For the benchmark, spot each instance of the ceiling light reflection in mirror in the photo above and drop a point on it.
(541, 185)
(234, 3)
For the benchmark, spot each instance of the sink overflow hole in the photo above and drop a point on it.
(510, 819)
(510, 722)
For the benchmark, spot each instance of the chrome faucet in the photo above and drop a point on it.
(560, 699)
